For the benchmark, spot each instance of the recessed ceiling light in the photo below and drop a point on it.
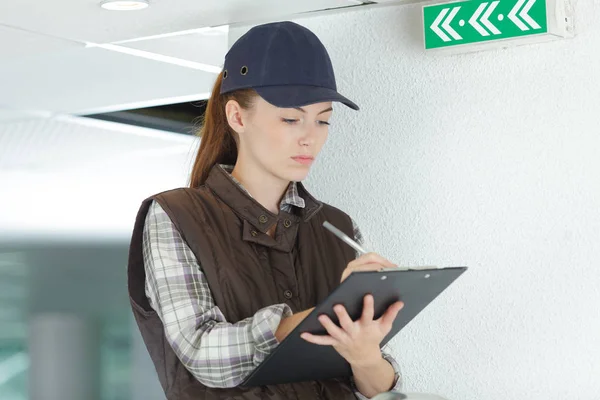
(124, 5)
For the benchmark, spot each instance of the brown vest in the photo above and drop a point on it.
(246, 270)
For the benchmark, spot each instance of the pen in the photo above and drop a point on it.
(344, 237)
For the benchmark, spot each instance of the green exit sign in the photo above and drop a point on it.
(475, 21)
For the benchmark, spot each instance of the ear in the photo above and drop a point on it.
(235, 116)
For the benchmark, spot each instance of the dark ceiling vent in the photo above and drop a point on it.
(183, 118)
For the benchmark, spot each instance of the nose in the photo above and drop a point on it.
(308, 136)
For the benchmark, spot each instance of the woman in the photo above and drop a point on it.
(221, 272)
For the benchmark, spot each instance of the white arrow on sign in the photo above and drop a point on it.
(446, 25)
(448, 28)
(436, 25)
(524, 14)
(485, 20)
(475, 17)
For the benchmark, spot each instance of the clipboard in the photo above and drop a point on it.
(296, 360)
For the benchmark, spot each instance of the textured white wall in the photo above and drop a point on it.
(489, 160)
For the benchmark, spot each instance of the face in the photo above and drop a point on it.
(283, 142)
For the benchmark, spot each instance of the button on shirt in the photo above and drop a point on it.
(216, 352)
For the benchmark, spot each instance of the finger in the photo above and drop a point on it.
(321, 340)
(387, 319)
(374, 258)
(363, 267)
(345, 321)
(365, 259)
(334, 331)
(369, 267)
(368, 309)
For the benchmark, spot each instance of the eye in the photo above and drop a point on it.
(289, 121)
(325, 123)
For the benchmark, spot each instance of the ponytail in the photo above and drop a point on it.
(218, 142)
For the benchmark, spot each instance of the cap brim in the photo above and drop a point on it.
(298, 96)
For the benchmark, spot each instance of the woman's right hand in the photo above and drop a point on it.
(367, 262)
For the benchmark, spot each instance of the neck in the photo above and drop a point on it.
(262, 186)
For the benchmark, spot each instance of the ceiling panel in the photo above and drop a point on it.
(207, 47)
(81, 20)
(91, 78)
(21, 43)
(74, 165)
(46, 145)
(8, 115)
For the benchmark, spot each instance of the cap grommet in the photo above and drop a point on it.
(225, 74)
(244, 70)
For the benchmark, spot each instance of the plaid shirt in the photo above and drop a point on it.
(216, 352)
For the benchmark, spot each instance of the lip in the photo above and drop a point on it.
(305, 160)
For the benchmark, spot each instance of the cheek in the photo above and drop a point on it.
(272, 140)
(281, 137)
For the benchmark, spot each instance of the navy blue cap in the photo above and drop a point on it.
(285, 63)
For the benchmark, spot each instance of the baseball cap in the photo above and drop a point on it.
(285, 63)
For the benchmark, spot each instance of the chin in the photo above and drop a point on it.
(296, 174)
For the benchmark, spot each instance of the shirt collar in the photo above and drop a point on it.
(290, 198)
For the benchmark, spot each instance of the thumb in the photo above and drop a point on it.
(388, 318)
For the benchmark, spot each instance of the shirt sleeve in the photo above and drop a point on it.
(217, 353)
(385, 352)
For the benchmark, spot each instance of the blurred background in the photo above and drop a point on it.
(98, 107)
(487, 159)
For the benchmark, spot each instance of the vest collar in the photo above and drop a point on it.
(257, 219)
(291, 196)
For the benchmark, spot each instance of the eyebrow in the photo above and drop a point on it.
(322, 112)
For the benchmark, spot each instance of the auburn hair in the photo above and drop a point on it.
(218, 142)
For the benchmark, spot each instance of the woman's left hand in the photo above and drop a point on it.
(357, 341)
